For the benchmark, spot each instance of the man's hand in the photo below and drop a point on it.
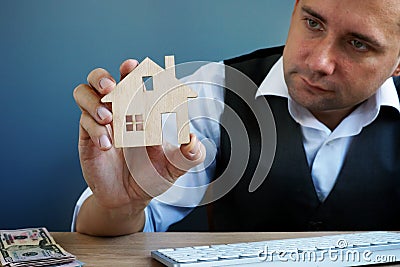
(118, 201)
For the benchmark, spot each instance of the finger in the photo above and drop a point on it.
(127, 66)
(193, 151)
(83, 135)
(101, 81)
(97, 133)
(89, 101)
(188, 156)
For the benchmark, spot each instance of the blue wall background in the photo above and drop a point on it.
(48, 47)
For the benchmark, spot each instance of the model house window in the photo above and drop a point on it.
(139, 122)
(148, 83)
(134, 123)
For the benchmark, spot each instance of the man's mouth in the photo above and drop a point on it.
(314, 87)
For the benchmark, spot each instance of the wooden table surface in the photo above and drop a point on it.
(134, 250)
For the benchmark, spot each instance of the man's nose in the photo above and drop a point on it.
(322, 58)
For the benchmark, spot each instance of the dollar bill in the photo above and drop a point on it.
(25, 237)
(74, 263)
(32, 247)
(49, 254)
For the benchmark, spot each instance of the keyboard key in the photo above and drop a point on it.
(361, 244)
(186, 260)
(229, 256)
(208, 258)
(201, 247)
(162, 250)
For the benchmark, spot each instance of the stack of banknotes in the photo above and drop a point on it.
(33, 247)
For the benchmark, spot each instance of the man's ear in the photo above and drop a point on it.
(396, 71)
(295, 6)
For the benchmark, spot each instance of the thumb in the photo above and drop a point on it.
(188, 156)
(127, 66)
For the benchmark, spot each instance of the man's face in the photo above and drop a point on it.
(339, 52)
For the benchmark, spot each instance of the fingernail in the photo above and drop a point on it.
(194, 150)
(106, 83)
(103, 113)
(104, 141)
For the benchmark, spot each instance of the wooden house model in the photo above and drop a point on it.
(140, 100)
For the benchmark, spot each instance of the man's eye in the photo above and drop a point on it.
(359, 45)
(312, 24)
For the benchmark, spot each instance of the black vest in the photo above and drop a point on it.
(366, 195)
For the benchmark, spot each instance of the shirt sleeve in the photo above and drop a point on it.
(78, 205)
(204, 114)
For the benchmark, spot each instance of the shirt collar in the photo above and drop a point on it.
(387, 95)
(274, 84)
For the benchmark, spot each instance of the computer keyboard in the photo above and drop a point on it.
(366, 248)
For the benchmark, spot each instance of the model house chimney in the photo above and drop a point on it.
(170, 65)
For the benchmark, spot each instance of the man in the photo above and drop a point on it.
(337, 116)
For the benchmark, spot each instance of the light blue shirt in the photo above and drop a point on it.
(325, 149)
